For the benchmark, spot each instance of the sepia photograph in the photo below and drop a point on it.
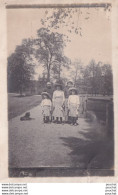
(60, 90)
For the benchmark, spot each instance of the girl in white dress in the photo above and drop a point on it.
(46, 105)
(58, 103)
(69, 85)
(73, 106)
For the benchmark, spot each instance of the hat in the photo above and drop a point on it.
(58, 84)
(73, 88)
(70, 82)
(48, 83)
(45, 93)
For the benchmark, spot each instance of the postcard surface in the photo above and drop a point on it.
(60, 92)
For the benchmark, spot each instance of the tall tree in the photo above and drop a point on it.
(99, 78)
(76, 70)
(92, 76)
(21, 67)
(49, 51)
(107, 79)
(57, 69)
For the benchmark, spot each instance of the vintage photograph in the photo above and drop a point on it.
(60, 91)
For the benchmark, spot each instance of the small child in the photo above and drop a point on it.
(46, 105)
(73, 106)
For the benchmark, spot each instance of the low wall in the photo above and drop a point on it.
(103, 109)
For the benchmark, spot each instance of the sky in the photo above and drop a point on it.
(95, 42)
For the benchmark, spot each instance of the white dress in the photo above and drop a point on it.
(58, 101)
(73, 105)
(46, 105)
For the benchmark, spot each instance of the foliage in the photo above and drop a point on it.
(96, 78)
(77, 70)
(107, 79)
(20, 67)
(64, 17)
(49, 51)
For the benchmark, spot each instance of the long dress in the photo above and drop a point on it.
(66, 103)
(73, 105)
(58, 101)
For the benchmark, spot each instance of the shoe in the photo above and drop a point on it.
(58, 122)
(54, 121)
(76, 124)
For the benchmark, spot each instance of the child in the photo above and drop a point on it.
(58, 102)
(46, 105)
(73, 106)
(68, 86)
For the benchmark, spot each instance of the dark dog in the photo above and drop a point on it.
(26, 117)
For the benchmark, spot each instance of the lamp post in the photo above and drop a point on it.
(102, 83)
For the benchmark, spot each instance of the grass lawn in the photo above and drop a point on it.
(18, 105)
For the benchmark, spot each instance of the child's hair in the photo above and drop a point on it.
(58, 86)
(70, 92)
(45, 96)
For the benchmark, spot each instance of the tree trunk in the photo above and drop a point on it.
(59, 72)
(75, 78)
(21, 90)
(48, 75)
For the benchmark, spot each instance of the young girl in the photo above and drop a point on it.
(73, 106)
(68, 86)
(46, 105)
(58, 102)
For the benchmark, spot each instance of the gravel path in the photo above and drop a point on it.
(34, 144)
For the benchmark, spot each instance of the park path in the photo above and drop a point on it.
(34, 144)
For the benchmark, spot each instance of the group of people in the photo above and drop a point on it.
(60, 106)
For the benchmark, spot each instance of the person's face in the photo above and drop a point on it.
(48, 86)
(69, 85)
(45, 96)
(73, 92)
(58, 88)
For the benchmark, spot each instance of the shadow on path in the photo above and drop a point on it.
(94, 152)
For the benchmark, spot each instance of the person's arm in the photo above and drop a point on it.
(78, 102)
(63, 97)
(65, 93)
(68, 103)
(42, 104)
(50, 106)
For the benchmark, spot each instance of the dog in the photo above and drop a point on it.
(26, 117)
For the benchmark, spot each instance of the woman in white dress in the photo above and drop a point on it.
(73, 106)
(58, 103)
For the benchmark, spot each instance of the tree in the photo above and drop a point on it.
(76, 70)
(98, 78)
(49, 51)
(65, 17)
(107, 79)
(92, 77)
(58, 66)
(21, 67)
